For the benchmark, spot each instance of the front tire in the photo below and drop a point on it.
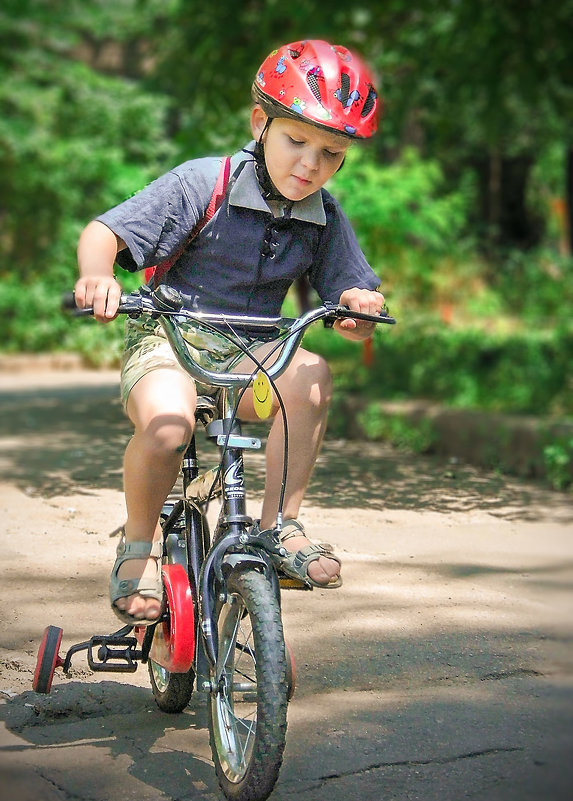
(247, 720)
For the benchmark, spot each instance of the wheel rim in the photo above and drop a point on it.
(160, 676)
(234, 704)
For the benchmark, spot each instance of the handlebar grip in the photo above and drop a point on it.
(343, 312)
(68, 306)
(68, 302)
(383, 317)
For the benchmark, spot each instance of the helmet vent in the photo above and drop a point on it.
(344, 88)
(312, 81)
(368, 103)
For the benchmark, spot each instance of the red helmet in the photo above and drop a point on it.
(319, 83)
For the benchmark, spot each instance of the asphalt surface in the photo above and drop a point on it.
(443, 668)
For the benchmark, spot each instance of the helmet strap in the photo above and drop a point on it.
(268, 189)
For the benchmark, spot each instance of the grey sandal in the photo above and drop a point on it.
(147, 588)
(295, 564)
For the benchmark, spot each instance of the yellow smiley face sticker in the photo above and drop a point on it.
(262, 395)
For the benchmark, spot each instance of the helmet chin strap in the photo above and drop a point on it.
(268, 189)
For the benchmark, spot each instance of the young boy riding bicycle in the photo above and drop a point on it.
(276, 224)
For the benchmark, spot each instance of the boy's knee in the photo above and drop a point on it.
(312, 384)
(169, 435)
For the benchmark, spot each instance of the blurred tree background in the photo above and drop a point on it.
(462, 203)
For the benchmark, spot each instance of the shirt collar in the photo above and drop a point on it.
(246, 193)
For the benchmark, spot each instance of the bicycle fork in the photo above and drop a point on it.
(231, 535)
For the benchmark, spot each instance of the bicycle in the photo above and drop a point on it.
(221, 632)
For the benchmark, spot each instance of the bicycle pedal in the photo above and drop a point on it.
(289, 583)
(114, 654)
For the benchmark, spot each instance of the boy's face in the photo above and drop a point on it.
(299, 157)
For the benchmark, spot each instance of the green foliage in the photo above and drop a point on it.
(476, 70)
(409, 226)
(396, 430)
(72, 143)
(558, 459)
(537, 285)
(402, 204)
(32, 321)
(467, 368)
(30, 317)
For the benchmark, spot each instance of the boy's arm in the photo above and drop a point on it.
(97, 287)
(360, 300)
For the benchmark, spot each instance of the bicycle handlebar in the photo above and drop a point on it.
(166, 305)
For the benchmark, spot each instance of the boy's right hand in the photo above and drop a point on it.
(102, 293)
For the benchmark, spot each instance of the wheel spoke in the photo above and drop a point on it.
(238, 724)
(246, 652)
(227, 639)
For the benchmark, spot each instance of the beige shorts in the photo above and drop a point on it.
(147, 349)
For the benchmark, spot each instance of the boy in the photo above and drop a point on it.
(275, 224)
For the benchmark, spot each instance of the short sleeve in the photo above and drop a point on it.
(156, 222)
(339, 263)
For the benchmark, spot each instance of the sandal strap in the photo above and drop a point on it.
(147, 588)
(291, 528)
(139, 549)
(301, 557)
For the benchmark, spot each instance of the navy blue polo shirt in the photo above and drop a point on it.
(245, 258)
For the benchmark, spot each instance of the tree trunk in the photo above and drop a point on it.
(507, 220)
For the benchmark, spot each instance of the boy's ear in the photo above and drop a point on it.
(258, 121)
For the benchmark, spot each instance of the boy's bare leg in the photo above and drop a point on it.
(306, 390)
(161, 406)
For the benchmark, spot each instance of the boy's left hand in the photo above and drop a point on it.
(365, 301)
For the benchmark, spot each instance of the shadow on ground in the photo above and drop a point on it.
(79, 435)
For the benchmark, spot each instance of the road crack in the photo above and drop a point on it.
(69, 796)
(509, 674)
(407, 763)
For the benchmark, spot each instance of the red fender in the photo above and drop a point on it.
(173, 645)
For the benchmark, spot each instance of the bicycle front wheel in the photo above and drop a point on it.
(249, 701)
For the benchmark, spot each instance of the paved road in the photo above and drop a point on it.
(442, 669)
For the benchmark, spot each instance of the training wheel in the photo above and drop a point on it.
(48, 659)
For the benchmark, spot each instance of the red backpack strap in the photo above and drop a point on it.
(217, 198)
(218, 192)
